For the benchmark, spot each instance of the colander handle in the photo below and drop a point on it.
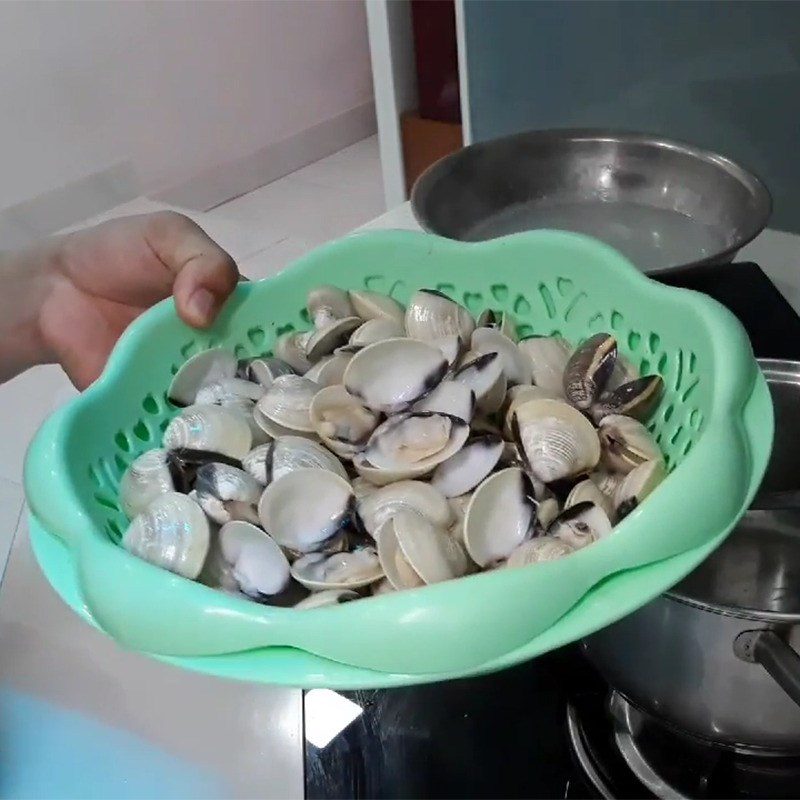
(48, 490)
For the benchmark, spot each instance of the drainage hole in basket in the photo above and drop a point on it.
(547, 299)
(106, 502)
(653, 342)
(284, 329)
(189, 348)
(114, 530)
(662, 364)
(644, 367)
(617, 321)
(305, 316)
(241, 352)
(692, 362)
(122, 441)
(94, 477)
(564, 286)
(150, 404)
(524, 331)
(690, 391)
(668, 412)
(634, 339)
(110, 477)
(374, 282)
(473, 301)
(573, 305)
(597, 322)
(121, 464)
(398, 289)
(679, 373)
(142, 432)
(687, 447)
(499, 292)
(256, 336)
(696, 418)
(521, 306)
(446, 288)
(676, 435)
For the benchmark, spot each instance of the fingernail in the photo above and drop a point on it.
(202, 304)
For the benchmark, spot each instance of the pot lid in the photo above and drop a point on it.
(756, 571)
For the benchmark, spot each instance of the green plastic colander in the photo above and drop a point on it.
(714, 425)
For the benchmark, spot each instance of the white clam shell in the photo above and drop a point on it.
(626, 443)
(258, 565)
(408, 443)
(329, 371)
(451, 347)
(144, 480)
(449, 397)
(327, 597)
(376, 330)
(264, 370)
(483, 374)
(305, 507)
(272, 430)
(606, 481)
(464, 470)
(390, 375)
(291, 349)
(317, 571)
(501, 321)
(556, 439)
(588, 491)
(516, 365)
(431, 315)
(517, 395)
(287, 402)
(225, 492)
(547, 510)
(534, 551)
(325, 340)
(548, 356)
(377, 506)
(235, 391)
(580, 525)
(271, 461)
(326, 303)
(499, 517)
(202, 368)
(341, 421)
(172, 533)
(209, 427)
(637, 485)
(372, 305)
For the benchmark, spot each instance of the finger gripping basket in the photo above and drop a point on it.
(714, 425)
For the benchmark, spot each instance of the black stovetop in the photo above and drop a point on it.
(505, 735)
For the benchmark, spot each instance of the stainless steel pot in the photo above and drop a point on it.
(717, 655)
(660, 202)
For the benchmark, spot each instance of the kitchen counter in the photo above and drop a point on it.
(82, 717)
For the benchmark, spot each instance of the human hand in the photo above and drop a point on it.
(93, 283)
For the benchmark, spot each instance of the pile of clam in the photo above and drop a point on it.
(389, 448)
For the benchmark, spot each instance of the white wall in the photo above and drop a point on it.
(175, 88)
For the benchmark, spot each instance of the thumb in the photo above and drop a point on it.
(205, 275)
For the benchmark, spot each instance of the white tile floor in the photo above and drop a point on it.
(231, 739)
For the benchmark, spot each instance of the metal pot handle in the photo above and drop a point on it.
(765, 647)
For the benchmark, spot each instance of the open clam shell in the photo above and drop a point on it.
(464, 470)
(483, 374)
(271, 461)
(377, 506)
(172, 533)
(500, 516)
(556, 440)
(637, 399)
(264, 370)
(202, 368)
(414, 552)
(431, 315)
(580, 525)
(327, 303)
(348, 570)
(372, 305)
(145, 479)
(304, 508)
(407, 443)
(229, 391)
(329, 370)
(588, 370)
(390, 375)
(291, 349)
(226, 493)
(626, 443)
(256, 564)
(209, 427)
(588, 491)
(449, 397)
(637, 485)
(325, 340)
(498, 320)
(341, 421)
(516, 366)
(287, 402)
(535, 551)
(376, 330)
(548, 356)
